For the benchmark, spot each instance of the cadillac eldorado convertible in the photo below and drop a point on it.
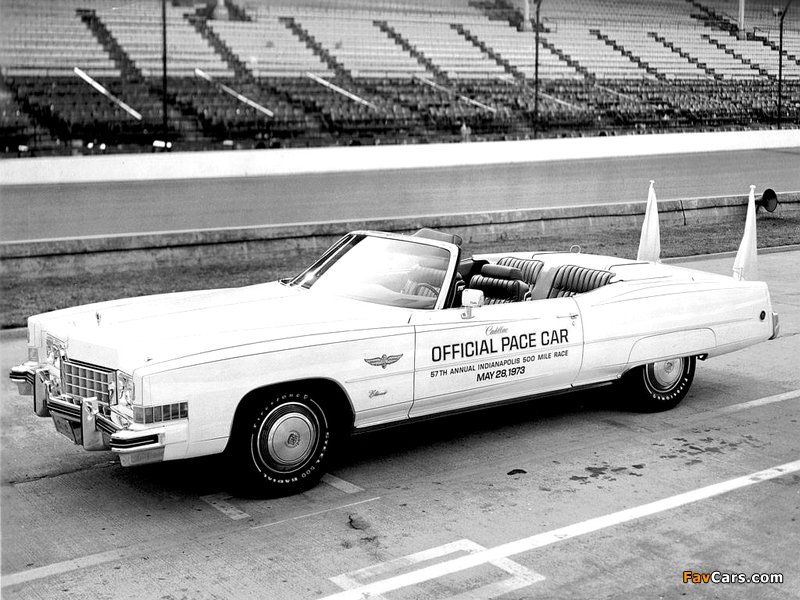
(382, 329)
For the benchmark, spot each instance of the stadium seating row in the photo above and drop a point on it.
(395, 69)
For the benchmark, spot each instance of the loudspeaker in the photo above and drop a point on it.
(769, 200)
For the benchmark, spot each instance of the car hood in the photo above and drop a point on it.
(126, 334)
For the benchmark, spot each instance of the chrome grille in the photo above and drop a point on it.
(86, 381)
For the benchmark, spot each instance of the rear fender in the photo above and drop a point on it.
(667, 345)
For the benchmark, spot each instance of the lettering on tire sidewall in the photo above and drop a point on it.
(675, 392)
(310, 467)
(671, 395)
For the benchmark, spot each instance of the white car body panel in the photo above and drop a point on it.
(515, 348)
(672, 319)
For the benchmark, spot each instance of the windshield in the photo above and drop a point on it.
(398, 273)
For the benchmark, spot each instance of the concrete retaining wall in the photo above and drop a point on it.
(127, 252)
(121, 252)
(262, 163)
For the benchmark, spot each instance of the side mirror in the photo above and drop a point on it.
(470, 299)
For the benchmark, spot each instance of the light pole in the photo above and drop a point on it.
(536, 74)
(164, 67)
(780, 64)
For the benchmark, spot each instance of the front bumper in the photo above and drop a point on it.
(25, 378)
(32, 380)
(87, 421)
(776, 326)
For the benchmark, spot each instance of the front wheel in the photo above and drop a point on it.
(282, 445)
(661, 385)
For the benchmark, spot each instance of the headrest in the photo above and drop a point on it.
(440, 236)
(501, 272)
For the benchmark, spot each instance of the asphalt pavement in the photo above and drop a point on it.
(38, 212)
(566, 497)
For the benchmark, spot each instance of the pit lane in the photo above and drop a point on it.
(415, 500)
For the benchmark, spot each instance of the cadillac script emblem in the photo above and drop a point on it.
(383, 361)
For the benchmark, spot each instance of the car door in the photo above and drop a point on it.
(502, 351)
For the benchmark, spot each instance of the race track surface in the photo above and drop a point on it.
(569, 497)
(59, 211)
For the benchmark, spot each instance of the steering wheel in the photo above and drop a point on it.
(425, 286)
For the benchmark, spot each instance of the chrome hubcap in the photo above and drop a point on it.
(287, 437)
(665, 375)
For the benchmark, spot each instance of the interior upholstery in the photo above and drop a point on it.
(500, 284)
(469, 267)
(422, 274)
(572, 279)
(530, 267)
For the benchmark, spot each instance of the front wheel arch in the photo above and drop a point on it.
(300, 409)
(340, 403)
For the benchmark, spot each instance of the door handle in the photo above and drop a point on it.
(572, 316)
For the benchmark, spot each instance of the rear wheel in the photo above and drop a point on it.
(660, 385)
(283, 443)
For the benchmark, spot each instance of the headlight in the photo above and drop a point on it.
(124, 392)
(54, 350)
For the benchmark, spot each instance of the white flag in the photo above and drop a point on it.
(650, 240)
(746, 264)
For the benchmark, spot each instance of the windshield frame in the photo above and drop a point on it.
(332, 254)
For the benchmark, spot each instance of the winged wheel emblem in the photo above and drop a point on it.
(383, 361)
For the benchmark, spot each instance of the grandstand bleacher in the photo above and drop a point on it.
(264, 73)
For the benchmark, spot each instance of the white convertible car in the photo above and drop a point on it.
(382, 329)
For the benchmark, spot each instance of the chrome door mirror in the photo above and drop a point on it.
(470, 299)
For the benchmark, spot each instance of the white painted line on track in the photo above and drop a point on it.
(220, 502)
(793, 395)
(558, 535)
(521, 577)
(63, 567)
(314, 514)
(341, 484)
(123, 553)
(92, 560)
